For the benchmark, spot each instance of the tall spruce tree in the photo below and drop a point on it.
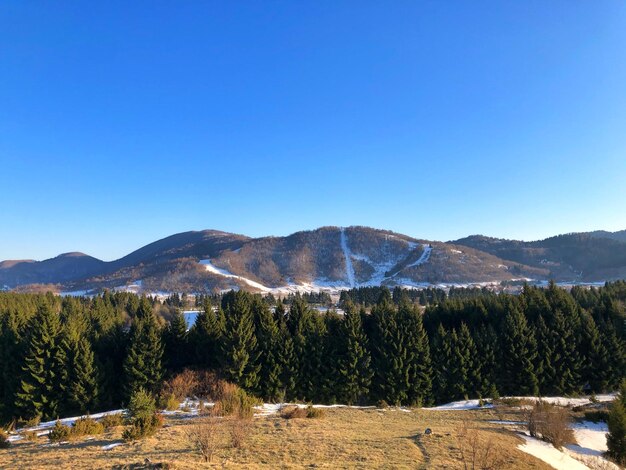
(82, 393)
(517, 373)
(616, 438)
(206, 336)
(143, 364)
(388, 354)
(441, 346)
(419, 367)
(354, 363)
(596, 360)
(41, 386)
(176, 339)
(270, 385)
(239, 344)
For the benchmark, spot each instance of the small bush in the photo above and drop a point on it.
(4, 440)
(168, 402)
(382, 404)
(204, 436)
(30, 422)
(315, 413)
(234, 401)
(182, 385)
(87, 427)
(30, 435)
(550, 423)
(293, 412)
(144, 421)
(141, 405)
(60, 432)
(111, 421)
(143, 427)
(239, 432)
(207, 385)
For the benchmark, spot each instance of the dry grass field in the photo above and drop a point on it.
(342, 438)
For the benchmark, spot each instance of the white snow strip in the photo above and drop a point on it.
(222, 272)
(112, 446)
(461, 405)
(69, 421)
(550, 455)
(423, 258)
(565, 401)
(347, 255)
(560, 401)
(591, 438)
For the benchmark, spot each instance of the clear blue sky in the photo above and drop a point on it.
(124, 122)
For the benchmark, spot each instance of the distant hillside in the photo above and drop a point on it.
(571, 257)
(326, 258)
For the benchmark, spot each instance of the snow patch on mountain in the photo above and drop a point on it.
(424, 257)
(347, 255)
(222, 272)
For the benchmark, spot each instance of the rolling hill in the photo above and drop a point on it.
(325, 258)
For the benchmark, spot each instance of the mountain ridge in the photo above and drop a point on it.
(328, 257)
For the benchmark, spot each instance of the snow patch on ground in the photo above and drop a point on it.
(550, 455)
(462, 405)
(68, 421)
(566, 401)
(112, 446)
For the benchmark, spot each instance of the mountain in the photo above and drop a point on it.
(619, 236)
(325, 258)
(583, 257)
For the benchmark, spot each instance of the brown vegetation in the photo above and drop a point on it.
(550, 423)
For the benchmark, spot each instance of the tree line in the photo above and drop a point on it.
(60, 356)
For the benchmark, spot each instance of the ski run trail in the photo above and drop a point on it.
(348, 256)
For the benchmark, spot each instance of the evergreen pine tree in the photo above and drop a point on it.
(388, 354)
(354, 370)
(176, 351)
(41, 388)
(239, 345)
(82, 392)
(616, 438)
(143, 364)
(486, 342)
(595, 357)
(270, 385)
(519, 350)
(418, 361)
(206, 335)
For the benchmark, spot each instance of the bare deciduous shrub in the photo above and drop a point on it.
(550, 423)
(239, 431)
(207, 384)
(204, 435)
(182, 385)
(293, 412)
(478, 452)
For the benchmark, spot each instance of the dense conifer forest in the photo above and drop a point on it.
(65, 355)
